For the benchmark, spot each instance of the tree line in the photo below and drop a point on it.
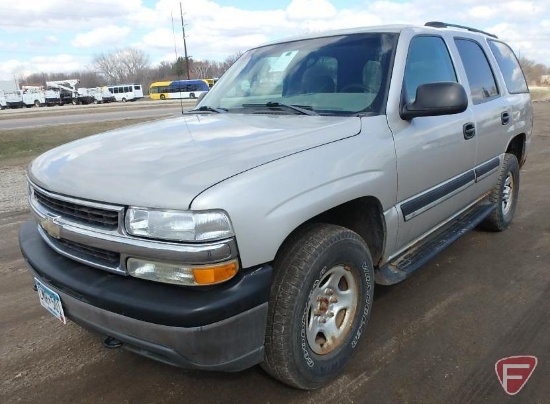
(132, 65)
(534, 71)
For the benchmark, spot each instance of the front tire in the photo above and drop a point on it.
(504, 195)
(320, 302)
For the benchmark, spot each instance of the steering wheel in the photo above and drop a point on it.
(358, 87)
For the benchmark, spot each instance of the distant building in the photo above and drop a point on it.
(9, 86)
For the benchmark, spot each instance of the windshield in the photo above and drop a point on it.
(336, 75)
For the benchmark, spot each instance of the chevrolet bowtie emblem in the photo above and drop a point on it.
(51, 227)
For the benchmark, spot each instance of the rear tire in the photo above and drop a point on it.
(504, 195)
(320, 302)
(192, 96)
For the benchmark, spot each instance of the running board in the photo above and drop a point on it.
(402, 266)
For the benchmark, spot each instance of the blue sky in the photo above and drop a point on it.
(65, 35)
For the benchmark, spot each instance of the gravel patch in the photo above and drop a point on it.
(13, 189)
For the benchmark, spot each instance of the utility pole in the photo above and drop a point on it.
(184, 42)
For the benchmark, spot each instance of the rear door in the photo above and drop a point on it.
(492, 112)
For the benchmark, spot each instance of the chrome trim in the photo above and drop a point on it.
(59, 250)
(82, 202)
(120, 242)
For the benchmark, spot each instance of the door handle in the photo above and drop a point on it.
(469, 130)
(505, 118)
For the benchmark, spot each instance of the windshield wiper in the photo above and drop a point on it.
(206, 108)
(302, 109)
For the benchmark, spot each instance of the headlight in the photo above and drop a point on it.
(205, 225)
(181, 274)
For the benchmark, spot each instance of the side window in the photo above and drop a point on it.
(510, 68)
(483, 86)
(428, 61)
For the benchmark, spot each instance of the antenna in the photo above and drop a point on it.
(176, 52)
(184, 43)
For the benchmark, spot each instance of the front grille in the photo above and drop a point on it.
(96, 217)
(107, 258)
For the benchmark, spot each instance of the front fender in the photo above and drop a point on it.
(267, 203)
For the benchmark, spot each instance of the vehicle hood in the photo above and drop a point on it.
(165, 164)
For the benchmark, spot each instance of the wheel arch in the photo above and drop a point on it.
(516, 146)
(364, 216)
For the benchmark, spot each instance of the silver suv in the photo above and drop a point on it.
(253, 228)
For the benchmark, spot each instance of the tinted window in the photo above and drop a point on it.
(483, 86)
(428, 62)
(509, 66)
(334, 75)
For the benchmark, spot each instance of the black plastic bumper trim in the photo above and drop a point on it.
(436, 194)
(145, 300)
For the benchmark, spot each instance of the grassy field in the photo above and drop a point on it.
(18, 146)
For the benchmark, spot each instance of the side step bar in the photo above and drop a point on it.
(402, 266)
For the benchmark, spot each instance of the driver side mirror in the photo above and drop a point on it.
(434, 99)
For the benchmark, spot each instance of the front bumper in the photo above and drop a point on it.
(220, 327)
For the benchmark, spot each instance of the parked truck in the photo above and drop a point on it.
(26, 97)
(96, 95)
(3, 103)
(62, 92)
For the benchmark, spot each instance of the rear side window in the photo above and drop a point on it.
(483, 86)
(510, 68)
(428, 61)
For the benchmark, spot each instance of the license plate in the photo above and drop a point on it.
(50, 300)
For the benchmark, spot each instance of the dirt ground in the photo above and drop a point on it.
(433, 338)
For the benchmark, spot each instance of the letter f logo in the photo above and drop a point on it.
(514, 371)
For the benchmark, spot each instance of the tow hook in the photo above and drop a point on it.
(112, 343)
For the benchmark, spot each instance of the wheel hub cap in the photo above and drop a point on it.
(507, 193)
(331, 309)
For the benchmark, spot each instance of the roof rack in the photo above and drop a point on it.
(438, 24)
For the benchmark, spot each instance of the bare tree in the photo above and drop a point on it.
(86, 78)
(202, 69)
(163, 72)
(122, 65)
(533, 71)
(232, 59)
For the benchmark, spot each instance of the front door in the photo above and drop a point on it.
(435, 158)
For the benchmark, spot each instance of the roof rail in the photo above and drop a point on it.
(438, 24)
